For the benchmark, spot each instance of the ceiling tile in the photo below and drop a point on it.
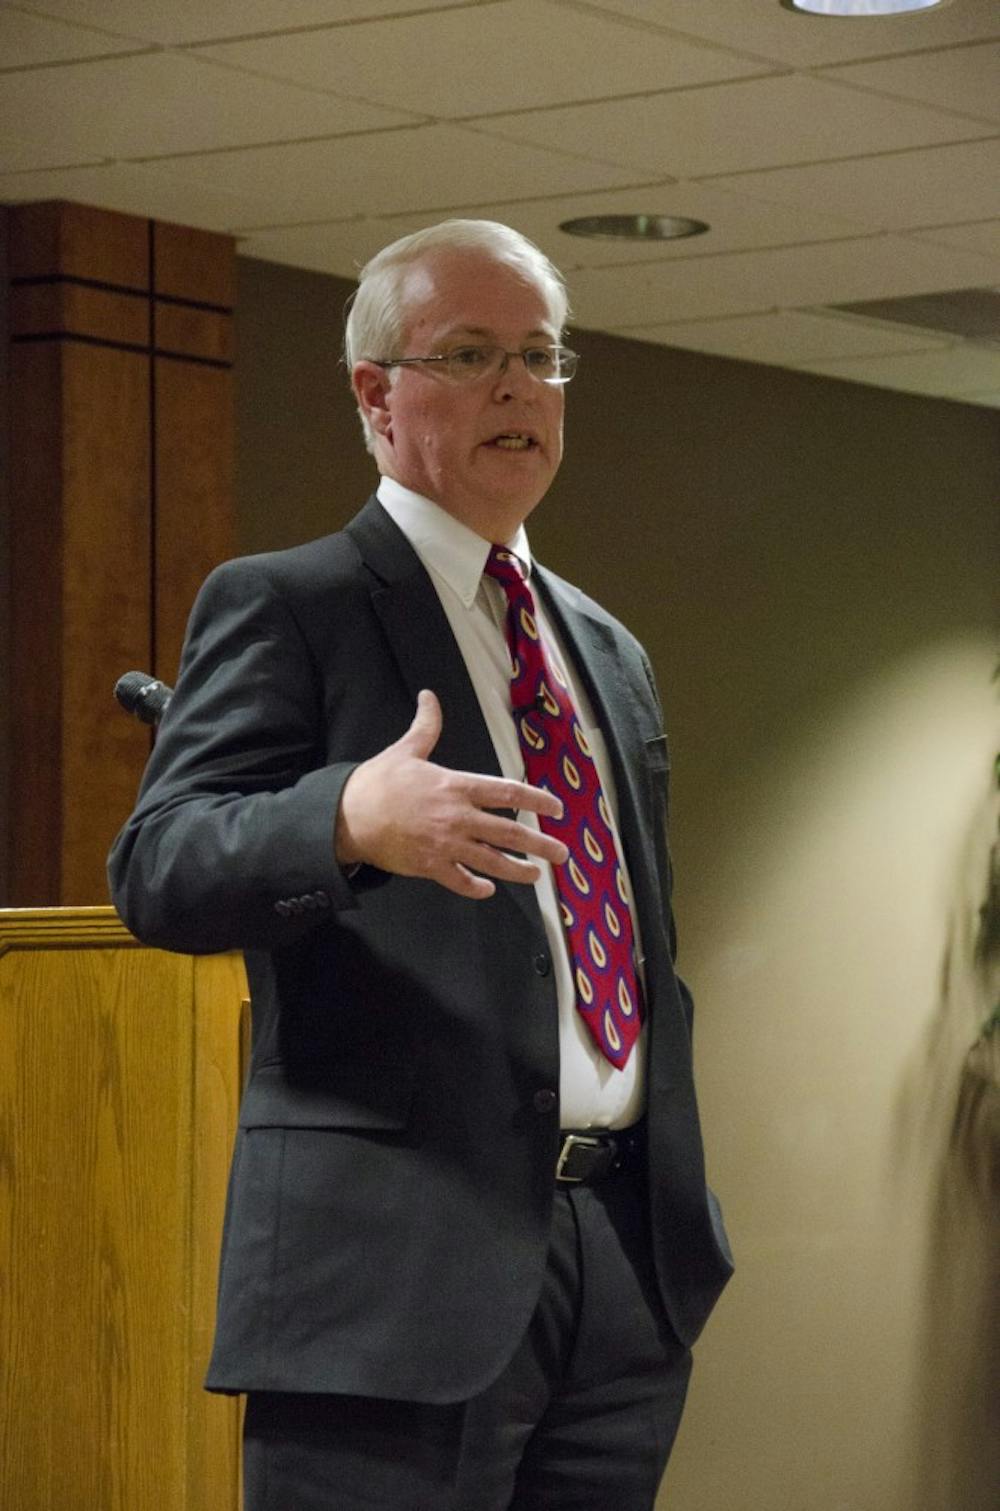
(179, 21)
(739, 283)
(165, 103)
(896, 190)
(955, 370)
(390, 171)
(575, 106)
(18, 156)
(981, 236)
(764, 28)
(966, 79)
(135, 189)
(26, 41)
(784, 337)
(507, 56)
(341, 247)
(729, 128)
(734, 223)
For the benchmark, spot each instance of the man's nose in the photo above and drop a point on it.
(514, 376)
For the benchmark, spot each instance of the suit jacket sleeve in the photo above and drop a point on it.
(231, 844)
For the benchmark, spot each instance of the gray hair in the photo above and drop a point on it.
(375, 315)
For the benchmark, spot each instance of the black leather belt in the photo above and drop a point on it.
(590, 1155)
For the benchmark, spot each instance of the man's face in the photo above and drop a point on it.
(463, 444)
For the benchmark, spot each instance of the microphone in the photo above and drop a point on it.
(143, 695)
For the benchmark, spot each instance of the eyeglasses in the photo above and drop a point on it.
(554, 365)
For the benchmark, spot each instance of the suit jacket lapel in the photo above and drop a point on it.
(417, 630)
(419, 635)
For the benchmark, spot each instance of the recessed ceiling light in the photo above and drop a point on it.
(858, 8)
(634, 227)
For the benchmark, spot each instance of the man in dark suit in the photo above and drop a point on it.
(469, 1241)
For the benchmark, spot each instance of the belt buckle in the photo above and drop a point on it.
(569, 1143)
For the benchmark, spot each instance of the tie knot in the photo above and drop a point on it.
(505, 567)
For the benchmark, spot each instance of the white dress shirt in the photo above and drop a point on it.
(592, 1092)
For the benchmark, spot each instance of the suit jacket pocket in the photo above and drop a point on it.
(377, 1098)
(658, 754)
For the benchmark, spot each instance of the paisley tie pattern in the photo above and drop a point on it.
(593, 899)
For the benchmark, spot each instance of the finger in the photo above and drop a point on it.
(507, 834)
(487, 861)
(465, 883)
(497, 792)
(425, 730)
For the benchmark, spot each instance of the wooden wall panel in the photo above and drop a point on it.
(59, 239)
(80, 551)
(198, 267)
(64, 308)
(122, 501)
(36, 798)
(194, 517)
(106, 592)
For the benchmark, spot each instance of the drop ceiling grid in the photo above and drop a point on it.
(965, 79)
(737, 223)
(962, 368)
(139, 189)
(391, 171)
(972, 236)
(28, 41)
(151, 113)
(516, 54)
(782, 121)
(915, 189)
(717, 84)
(179, 23)
(786, 338)
(804, 41)
(779, 278)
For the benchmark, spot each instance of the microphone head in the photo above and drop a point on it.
(144, 696)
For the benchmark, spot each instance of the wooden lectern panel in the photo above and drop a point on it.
(119, 1083)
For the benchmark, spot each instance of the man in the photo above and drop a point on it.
(468, 1241)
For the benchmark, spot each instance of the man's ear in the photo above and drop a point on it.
(372, 385)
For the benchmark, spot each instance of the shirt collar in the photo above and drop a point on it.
(445, 546)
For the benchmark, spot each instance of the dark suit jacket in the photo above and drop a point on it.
(392, 1182)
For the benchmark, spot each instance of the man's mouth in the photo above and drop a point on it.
(513, 440)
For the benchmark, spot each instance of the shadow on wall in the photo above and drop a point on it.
(952, 1097)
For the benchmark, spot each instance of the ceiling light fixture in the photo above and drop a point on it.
(634, 227)
(859, 8)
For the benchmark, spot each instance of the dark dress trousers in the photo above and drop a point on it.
(392, 1184)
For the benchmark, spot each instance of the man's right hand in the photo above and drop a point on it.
(401, 812)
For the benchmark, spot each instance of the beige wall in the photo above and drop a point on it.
(812, 566)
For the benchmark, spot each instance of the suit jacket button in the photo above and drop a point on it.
(321, 899)
(545, 1100)
(542, 963)
(308, 901)
(283, 908)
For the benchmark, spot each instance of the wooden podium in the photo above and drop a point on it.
(120, 1072)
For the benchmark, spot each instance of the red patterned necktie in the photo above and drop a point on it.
(593, 899)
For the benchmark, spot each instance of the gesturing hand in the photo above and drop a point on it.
(402, 813)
